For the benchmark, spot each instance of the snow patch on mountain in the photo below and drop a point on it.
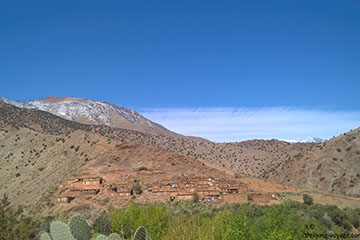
(312, 140)
(305, 140)
(74, 109)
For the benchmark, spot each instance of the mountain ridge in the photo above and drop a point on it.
(87, 111)
(248, 158)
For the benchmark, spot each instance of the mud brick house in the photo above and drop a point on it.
(210, 190)
(85, 183)
(205, 187)
(121, 190)
(210, 196)
(232, 186)
(190, 189)
(90, 185)
(164, 188)
(262, 197)
(185, 196)
(65, 197)
(201, 181)
(235, 198)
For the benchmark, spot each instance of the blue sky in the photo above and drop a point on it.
(237, 124)
(184, 54)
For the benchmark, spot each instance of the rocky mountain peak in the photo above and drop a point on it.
(92, 112)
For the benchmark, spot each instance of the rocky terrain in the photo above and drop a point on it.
(333, 166)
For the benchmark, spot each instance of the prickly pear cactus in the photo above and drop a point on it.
(60, 231)
(140, 234)
(101, 237)
(45, 236)
(114, 236)
(79, 228)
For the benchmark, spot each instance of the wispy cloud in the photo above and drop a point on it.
(237, 124)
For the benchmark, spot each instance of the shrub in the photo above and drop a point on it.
(137, 188)
(196, 197)
(307, 199)
(14, 225)
(102, 224)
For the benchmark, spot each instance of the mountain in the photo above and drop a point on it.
(333, 166)
(93, 112)
(312, 140)
(247, 158)
(40, 151)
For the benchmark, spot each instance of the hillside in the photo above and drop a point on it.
(248, 158)
(332, 167)
(39, 152)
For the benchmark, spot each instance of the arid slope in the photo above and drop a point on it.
(334, 167)
(248, 158)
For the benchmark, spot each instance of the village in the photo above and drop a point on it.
(124, 185)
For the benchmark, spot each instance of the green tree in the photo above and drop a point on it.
(278, 222)
(123, 221)
(154, 218)
(14, 225)
(102, 224)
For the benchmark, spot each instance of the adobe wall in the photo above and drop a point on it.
(235, 198)
(184, 197)
(262, 197)
(86, 184)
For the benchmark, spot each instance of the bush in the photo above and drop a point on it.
(137, 188)
(196, 197)
(154, 218)
(307, 199)
(14, 225)
(102, 224)
(180, 220)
